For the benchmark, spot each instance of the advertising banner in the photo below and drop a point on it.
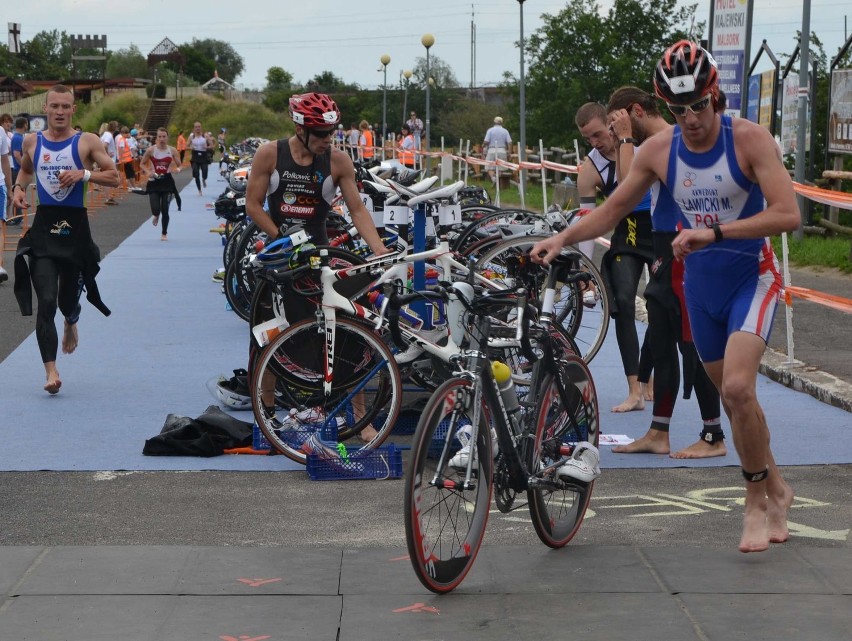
(767, 83)
(753, 106)
(729, 31)
(840, 113)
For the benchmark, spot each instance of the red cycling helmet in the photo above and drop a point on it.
(314, 110)
(685, 74)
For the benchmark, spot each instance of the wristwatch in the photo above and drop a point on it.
(627, 141)
(717, 232)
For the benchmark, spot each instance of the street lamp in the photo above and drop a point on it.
(427, 41)
(522, 152)
(407, 75)
(385, 60)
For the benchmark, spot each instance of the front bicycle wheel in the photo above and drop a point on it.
(292, 402)
(566, 413)
(445, 516)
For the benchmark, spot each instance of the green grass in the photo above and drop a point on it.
(818, 251)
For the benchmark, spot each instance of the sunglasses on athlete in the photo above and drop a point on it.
(696, 107)
(321, 133)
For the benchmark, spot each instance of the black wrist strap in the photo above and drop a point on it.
(717, 232)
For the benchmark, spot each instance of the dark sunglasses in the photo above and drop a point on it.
(322, 133)
(696, 107)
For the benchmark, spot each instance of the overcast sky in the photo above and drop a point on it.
(348, 37)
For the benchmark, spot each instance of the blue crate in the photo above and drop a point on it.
(384, 462)
(258, 440)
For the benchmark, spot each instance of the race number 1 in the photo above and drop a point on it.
(449, 214)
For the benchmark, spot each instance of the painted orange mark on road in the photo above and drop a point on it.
(256, 583)
(245, 637)
(401, 558)
(419, 607)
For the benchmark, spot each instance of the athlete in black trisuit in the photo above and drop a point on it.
(298, 177)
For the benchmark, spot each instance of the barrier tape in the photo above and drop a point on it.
(829, 300)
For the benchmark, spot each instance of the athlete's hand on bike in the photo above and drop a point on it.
(546, 250)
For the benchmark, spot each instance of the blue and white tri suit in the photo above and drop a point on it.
(732, 285)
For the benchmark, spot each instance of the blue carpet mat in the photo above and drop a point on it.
(170, 334)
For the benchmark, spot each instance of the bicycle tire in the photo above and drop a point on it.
(557, 512)
(295, 361)
(235, 293)
(469, 235)
(588, 326)
(445, 523)
(234, 235)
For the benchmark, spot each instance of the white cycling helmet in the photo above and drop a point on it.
(233, 393)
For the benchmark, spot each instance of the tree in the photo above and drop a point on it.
(277, 79)
(127, 63)
(327, 82)
(203, 57)
(441, 73)
(581, 55)
(278, 89)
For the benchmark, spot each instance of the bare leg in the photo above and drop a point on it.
(767, 501)
(654, 442)
(634, 400)
(69, 338)
(53, 381)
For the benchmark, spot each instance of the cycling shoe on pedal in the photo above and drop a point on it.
(461, 457)
(584, 464)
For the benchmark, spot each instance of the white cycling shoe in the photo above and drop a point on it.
(584, 464)
(461, 457)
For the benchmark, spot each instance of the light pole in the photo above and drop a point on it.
(427, 41)
(385, 60)
(522, 152)
(407, 75)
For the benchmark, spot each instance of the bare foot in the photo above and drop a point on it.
(368, 433)
(155, 221)
(755, 532)
(648, 390)
(69, 338)
(702, 449)
(654, 442)
(630, 404)
(53, 383)
(776, 515)
(164, 237)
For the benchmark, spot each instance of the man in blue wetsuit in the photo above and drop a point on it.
(57, 255)
(728, 179)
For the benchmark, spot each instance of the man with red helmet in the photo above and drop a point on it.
(299, 176)
(727, 178)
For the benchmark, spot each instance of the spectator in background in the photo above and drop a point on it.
(21, 126)
(415, 125)
(407, 147)
(353, 138)
(366, 142)
(181, 146)
(496, 146)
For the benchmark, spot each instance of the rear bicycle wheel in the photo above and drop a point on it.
(557, 506)
(290, 401)
(444, 519)
(586, 321)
